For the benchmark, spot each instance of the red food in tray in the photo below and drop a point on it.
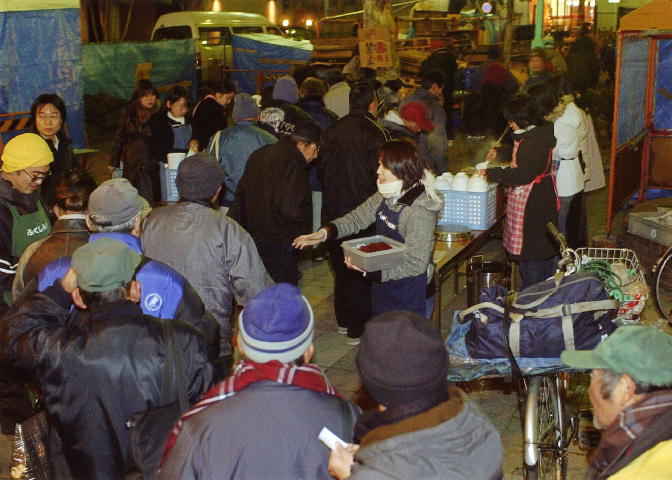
(375, 247)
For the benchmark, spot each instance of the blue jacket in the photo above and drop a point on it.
(236, 144)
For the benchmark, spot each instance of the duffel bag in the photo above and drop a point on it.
(563, 313)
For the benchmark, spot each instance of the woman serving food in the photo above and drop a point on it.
(405, 208)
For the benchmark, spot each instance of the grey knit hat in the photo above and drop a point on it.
(401, 358)
(198, 177)
(285, 89)
(244, 107)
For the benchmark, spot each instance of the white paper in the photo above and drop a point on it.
(330, 439)
(482, 166)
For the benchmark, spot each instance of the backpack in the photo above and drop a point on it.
(563, 313)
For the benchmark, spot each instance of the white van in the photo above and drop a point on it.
(213, 30)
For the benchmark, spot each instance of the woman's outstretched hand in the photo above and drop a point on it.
(341, 460)
(310, 239)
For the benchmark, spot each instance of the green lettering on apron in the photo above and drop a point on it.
(26, 229)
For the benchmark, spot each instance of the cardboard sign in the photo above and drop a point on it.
(375, 49)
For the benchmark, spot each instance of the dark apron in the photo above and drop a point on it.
(26, 229)
(181, 137)
(403, 294)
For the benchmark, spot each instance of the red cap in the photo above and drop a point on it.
(417, 112)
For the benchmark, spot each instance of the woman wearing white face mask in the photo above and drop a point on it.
(405, 208)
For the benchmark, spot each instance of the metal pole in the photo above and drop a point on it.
(539, 26)
(508, 34)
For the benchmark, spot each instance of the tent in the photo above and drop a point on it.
(641, 147)
(259, 58)
(40, 52)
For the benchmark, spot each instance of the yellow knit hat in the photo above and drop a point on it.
(26, 151)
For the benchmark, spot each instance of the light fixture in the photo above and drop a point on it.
(614, 1)
(216, 6)
(309, 22)
(285, 22)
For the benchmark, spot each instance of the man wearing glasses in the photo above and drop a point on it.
(273, 199)
(23, 220)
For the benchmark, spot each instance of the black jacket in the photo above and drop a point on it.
(209, 117)
(349, 160)
(541, 208)
(162, 136)
(95, 369)
(64, 160)
(273, 200)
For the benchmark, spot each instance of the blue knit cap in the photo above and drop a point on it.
(285, 89)
(244, 107)
(277, 324)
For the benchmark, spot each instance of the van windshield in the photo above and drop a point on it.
(214, 35)
(247, 29)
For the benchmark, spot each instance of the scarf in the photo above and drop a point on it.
(246, 373)
(637, 429)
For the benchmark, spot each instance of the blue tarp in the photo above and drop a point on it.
(261, 51)
(110, 67)
(663, 98)
(41, 53)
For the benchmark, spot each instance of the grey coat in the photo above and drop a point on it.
(466, 447)
(416, 225)
(215, 254)
(266, 431)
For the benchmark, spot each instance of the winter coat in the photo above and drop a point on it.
(95, 370)
(67, 235)
(394, 125)
(162, 140)
(293, 113)
(349, 163)
(211, 251)
(594, 174)
(236, 144)
(268, 430)
(541, 207)
(417, 222)
(208, 117)
(570, 133)
(583, 64)
(452, 441)
(313, 105)
(64, 160)
(273, 200)
(654, 463)
(437, 139)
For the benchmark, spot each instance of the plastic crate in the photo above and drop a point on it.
(169, 191)
(374, 261)
(476, 210)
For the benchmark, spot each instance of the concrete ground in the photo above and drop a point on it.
(496, 399)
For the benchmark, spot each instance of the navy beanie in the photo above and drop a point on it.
(277, 324)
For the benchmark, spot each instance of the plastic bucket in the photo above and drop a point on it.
(482, 274)
(174, 160)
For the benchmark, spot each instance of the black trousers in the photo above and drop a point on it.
(281, 261)
(352, 292)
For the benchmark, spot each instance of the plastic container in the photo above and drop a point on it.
(174, 160)
(374, 261)
(482, 275)
(477, 183)
(476, 210)
(169, 191)
(460, 182)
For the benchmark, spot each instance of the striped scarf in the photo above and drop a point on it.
(246, 373)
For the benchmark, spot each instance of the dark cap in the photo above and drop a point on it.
(104, 264)
(306, 131)
(401, 358)
(115, 202)
(199, 177)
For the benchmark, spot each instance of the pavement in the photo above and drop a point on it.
(497, 400)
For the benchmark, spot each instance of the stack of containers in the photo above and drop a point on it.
(469, 201)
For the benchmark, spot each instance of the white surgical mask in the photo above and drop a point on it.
(390, 189)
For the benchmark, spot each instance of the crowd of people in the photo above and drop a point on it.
(115, 307)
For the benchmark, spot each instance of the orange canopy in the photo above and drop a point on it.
(655, 15)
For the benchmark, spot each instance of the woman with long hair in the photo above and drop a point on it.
(132, 147)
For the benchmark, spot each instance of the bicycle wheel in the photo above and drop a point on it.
(662, 285)
(545, 433)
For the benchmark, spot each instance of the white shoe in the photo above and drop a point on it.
(342, 330)
(353, 342)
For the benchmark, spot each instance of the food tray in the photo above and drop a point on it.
(169, 191)
(374, 261)
(476, 210)
(630, 309)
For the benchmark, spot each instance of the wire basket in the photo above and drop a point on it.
(629, 310)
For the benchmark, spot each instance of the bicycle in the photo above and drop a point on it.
(662, 284)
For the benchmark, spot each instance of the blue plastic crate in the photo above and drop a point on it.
(169, 191)
(475, 210)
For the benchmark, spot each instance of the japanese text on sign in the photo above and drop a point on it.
(374, 47)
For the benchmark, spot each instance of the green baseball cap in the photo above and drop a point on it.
(104, 264)
(643, 352)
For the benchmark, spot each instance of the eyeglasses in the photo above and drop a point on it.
(317, 147)
(36, 178)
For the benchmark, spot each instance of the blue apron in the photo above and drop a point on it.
(181, 136)
(406, 293)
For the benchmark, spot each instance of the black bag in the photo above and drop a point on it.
(564, 313)
(148, 430)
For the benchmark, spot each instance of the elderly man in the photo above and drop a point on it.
(214, 253)
(264, 420)
(100, 363)
(631, 393)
